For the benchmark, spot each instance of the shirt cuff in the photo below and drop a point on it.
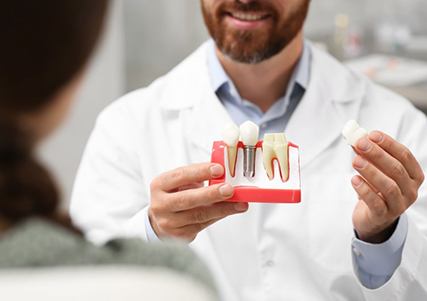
(381, 259)
(151, 235)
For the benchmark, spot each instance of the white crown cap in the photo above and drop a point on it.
(249, 132)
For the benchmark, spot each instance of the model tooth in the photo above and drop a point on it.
(268, 154)
(352, 132)
(249, 132)
(349, 128)
(231, 135)
(281, 151)
(358, 134)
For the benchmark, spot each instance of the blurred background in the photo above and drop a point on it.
(385, 39)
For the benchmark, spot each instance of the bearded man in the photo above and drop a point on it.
(360, 232)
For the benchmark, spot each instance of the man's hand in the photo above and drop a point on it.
(181, 207)
(388, 184)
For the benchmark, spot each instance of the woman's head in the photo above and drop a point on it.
(45, 46)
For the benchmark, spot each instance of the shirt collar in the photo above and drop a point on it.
(219, 77)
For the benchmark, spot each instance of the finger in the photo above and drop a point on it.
(387, 164)
(205, 196)
(387, 187)
(191, 186)
(190, 232)
(400, 152)
(203, 215)
(375, 204)
(187, 175)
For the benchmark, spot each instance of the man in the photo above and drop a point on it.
(353, 237)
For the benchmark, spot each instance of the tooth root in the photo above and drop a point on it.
(231, 135)
(268, 154)
(281, 152)
(232, 155)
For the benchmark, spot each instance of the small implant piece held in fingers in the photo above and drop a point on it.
(230, 136)
(352, 132)
(249, 132)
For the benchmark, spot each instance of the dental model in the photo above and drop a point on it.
(231, 135)
(352, 132)
(249, 132)
(275, 147)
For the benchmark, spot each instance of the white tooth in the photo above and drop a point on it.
(275, 146)
(249, 132)
(231, 135)
(268, 154)
(281, 151)
(352, 132)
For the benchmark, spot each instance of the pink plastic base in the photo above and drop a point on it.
(251, 193)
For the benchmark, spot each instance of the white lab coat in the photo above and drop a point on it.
(274, 251)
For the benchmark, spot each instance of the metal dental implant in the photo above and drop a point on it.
(249, 132)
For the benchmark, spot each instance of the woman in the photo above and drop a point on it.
(45, 46)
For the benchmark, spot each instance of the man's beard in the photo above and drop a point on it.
(254, 46)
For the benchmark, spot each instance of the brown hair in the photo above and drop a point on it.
(44, 45)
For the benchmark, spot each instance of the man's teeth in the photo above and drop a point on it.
(247, 17)
(231, 135)
(275, 147)
(352, 132)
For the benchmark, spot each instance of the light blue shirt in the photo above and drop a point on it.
(374, 263)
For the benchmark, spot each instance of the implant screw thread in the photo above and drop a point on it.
(249, 156)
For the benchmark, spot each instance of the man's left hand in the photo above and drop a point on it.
(387, 186)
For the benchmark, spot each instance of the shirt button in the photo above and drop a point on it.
(263, 126)
(269, 264)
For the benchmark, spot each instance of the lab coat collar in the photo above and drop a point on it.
(333, 96)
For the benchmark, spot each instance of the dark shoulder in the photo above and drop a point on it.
(40, 243)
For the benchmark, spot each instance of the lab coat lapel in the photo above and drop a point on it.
(332, 97)
(201, 115)
(207, 120)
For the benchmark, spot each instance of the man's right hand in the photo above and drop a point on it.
(181, 206)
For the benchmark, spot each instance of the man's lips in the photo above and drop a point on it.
(247, 20)
(248, 16)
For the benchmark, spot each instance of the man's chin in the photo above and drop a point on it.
(247, 52)
(243, 56)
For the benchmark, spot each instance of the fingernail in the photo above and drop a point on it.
(216, 170)
(364, 144)
(376, 137)
(359, 162)
(241, 206)
(226, 190)
(356, 181)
